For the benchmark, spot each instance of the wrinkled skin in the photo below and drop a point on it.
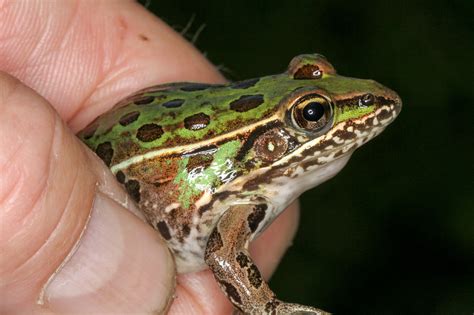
(59, 205)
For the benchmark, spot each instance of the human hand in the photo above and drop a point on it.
(70, 238)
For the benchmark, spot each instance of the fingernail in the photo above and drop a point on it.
(120, 265)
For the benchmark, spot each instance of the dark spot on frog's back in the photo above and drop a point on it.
(143, 100)
(105, 152)
(133, 189)
(246, 102)
(129, 118)
(198, 87)
(174, 103)
(162, 227)
(197, 121)
(149, 132)
(245, 84)
(257, 215)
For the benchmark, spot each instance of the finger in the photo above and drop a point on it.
(85, 56)
(68, 244)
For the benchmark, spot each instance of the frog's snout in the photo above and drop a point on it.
(391, 97)
(396, 99)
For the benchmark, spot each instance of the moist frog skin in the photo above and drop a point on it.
(211, 166)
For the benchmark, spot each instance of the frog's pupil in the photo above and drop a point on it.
(368, 99)
(313, 111)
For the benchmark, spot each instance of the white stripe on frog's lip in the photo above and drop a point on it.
(362, 136)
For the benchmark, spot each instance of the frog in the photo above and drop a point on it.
(210, 166)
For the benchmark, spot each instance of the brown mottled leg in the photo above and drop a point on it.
(227, 256)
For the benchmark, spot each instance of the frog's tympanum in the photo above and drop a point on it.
(211, 166)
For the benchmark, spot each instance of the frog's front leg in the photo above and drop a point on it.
(228, 258)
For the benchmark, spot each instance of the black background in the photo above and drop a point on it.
(393, 233)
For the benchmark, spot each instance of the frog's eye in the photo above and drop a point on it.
(312, 113)
(367, 100)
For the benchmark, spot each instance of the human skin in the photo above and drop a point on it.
(70, 239)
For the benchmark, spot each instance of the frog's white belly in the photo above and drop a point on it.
(285, 190)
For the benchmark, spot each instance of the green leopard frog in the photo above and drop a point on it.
(211, 166)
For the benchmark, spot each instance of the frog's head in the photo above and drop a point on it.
(320, 123)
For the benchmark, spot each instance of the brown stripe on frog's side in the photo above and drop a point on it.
(149, 132)
(177, 102)
(197, 121)
(247, 102)
(244, 84)
(129, 118)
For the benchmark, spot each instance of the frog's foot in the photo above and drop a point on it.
(227, 257)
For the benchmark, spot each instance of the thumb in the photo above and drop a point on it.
(68, 239)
